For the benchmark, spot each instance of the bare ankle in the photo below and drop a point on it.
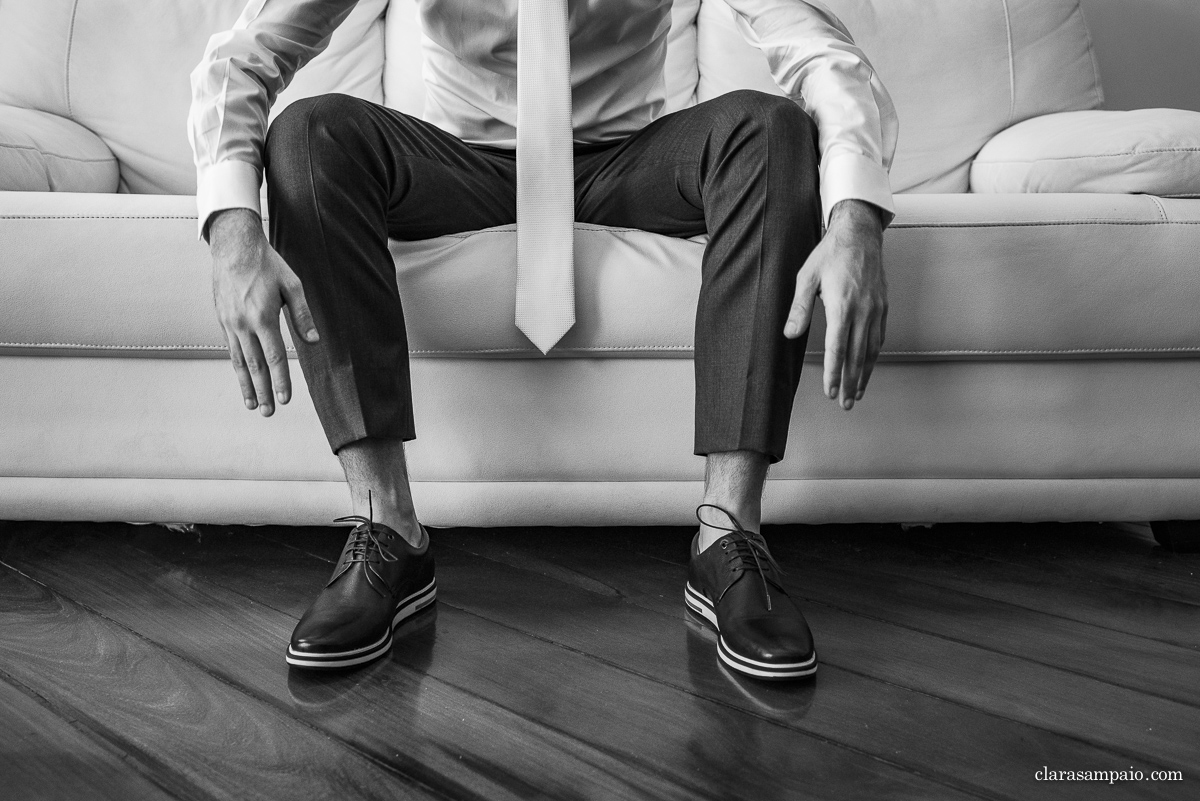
(399, 518)
(733, 483)
(378, 478)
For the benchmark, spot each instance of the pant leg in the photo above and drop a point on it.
(342, 175)
(743, 168)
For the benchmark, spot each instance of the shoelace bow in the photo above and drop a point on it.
(743, 546)
(364, 544)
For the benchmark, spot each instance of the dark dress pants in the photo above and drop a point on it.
(344, 175)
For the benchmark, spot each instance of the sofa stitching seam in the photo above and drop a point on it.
(1123, 154)
(53, 155)
(465, 235)
(258, 482)
(1012, 68)
(639, 231)
(93, 217)
(634, 348)
(221, 348)
(807, 481)
(1162, 212)
(1049, 223)
(1092, 54)
(67, 66)
(513, 231)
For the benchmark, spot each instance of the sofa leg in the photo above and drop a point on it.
(1181, 536)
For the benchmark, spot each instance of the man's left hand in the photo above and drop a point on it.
(846, 270)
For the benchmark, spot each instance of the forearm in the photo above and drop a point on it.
(234, 86)
(815, 62)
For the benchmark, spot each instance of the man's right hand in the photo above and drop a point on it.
(251, 284)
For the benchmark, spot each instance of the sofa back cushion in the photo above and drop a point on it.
(121, 68)
(404, 87)
(959, 71)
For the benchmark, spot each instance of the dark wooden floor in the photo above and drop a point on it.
(956, 662)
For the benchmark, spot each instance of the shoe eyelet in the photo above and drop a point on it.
(724, 545)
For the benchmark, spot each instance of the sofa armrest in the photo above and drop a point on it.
(43, 152)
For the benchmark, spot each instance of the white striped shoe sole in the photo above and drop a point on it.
(700, 606)
(342, 659)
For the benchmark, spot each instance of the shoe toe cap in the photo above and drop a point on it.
(320, 634)
(771, 639)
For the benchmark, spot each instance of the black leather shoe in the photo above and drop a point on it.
(735, 587)
(379, 582)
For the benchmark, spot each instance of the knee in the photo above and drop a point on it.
(767, 109)
(779, 121)
(297, 137)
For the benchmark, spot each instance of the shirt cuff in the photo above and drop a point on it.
(851, 176)
(226, 185)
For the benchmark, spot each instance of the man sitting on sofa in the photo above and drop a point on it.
(567, 96)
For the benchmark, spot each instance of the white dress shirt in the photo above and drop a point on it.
(618, 49)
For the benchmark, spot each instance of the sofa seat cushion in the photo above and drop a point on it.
(1154, 151)
(41, 152)
(974, 277)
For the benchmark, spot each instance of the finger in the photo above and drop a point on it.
(836, 334)
(874, 344)
(243, 374)
(302, 319)
(256, 363)
(855, 358)
(277, 363)
(800, 315)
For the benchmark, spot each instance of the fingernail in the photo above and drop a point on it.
(848, 404)
(833, 391)
(859, 395)
(312, 335)
(279, 396)
(251, 403)
(266, 410)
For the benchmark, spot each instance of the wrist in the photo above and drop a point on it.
(858, 214)
(233, 228)
(856, 223)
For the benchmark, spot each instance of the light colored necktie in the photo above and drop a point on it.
(545, 174)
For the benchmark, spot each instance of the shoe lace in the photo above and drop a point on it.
(746, 549)
(364, 548)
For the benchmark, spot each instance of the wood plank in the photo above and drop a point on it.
(1036, 583)
(1114, 555)
(1130, 661)
(570, 692)
(192, 735)
(1145, 665)
(453, 740)
(843, 706)
(44, 758)
(1155, 731)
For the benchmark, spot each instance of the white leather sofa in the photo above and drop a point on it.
(1043, 351)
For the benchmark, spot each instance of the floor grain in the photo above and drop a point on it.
(559, 663)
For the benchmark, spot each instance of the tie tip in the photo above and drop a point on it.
(545, 341)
